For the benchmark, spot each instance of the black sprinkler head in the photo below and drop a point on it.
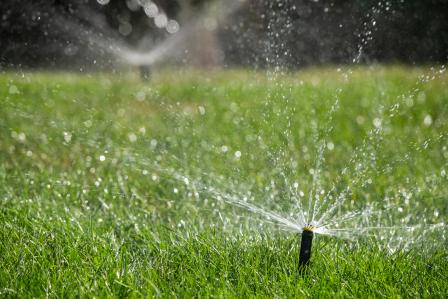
(305, 246)
(145, 72)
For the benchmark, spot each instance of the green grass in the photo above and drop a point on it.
(92, 204)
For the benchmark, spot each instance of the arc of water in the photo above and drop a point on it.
(372, 135)
(313, 202)
(253, 208)
(103, 37)
(293, 190)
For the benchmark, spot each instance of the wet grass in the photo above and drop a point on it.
(92, 204)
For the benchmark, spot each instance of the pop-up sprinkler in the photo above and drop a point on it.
(305, 245)
(145, 72)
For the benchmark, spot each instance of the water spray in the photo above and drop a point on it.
(305, 246)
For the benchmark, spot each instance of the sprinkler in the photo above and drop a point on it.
(145, 72)
(305, 246)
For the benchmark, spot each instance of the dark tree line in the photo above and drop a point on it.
(263, 33)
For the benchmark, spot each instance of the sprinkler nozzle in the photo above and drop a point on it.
(145, 72)
(305, 246)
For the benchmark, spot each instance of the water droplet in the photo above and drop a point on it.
(125, 29)
(151, 9)
(102, 158)
(427, 121)
(19, 136)
(13, 89)
(172, 26)
(153, 143)
(103, 2)
(201, 110)
(377, 122)
(88, 123)
(132, 137)
(133, 5)
(140, 96)
(67, 137)
(237, 154)
(161, 20)
(409, 101)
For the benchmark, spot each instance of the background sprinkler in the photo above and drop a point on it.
(145, 72)
(305, 246)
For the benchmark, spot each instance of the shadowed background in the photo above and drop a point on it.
(287, 33)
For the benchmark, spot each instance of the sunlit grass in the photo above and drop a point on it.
(91, 205)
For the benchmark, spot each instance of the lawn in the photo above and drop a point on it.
(114, 187)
